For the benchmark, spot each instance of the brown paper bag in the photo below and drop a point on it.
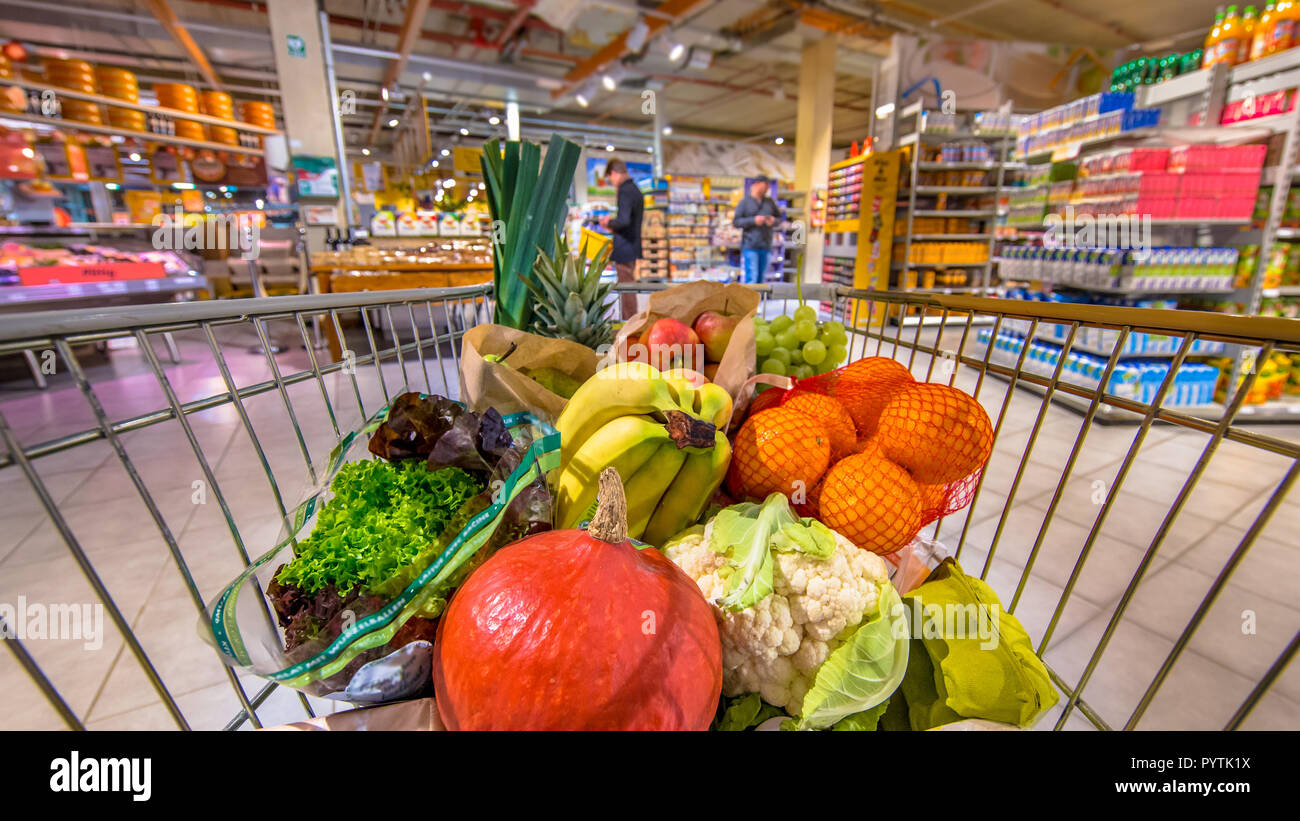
(685, 303)
(500, 385)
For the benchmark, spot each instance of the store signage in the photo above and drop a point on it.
(208, 168)
(297, 46)
(107, 272)
(316, 176)
(164, 167)
(320, 214)
(63, 161)
(245, 172)
(102, 163)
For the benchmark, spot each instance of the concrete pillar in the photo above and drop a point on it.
(812, 150)
(308, 107)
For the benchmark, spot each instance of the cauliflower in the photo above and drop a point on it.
(775, 646)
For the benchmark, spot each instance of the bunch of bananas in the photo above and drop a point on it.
(665, 437)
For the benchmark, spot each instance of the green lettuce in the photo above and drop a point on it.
(748, 533)
(745, 713)
(864, 671)
(381, 517)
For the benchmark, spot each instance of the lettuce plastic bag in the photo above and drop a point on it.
(345, 605)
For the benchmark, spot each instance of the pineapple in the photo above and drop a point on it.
(571, 301)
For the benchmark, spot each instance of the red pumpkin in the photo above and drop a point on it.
(578, 630)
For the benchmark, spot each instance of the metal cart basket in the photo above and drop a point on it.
(244, 436)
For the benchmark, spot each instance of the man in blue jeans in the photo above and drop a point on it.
(755, 216)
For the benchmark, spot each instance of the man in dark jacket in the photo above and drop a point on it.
(756, 215)
(626, 228)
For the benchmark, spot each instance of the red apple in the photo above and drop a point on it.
(669, 341)
(715, 330)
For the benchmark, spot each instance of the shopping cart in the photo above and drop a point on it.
(411, 338)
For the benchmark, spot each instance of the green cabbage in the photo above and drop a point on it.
(864, 671)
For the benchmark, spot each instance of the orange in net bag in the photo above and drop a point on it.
(778, 450)
(938, 435)
(872, 501)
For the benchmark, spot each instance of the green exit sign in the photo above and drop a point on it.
(297, 46)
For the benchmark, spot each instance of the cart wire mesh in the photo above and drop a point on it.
(330, 360)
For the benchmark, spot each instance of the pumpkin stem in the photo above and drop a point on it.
(610, 522)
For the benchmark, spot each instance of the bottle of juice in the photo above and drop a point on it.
(1259, 38)
(1229, 38)
(1212, 39)
(1246, 36)
(1282, 33)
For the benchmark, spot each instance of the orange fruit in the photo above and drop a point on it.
(839, 424)
(938, 433)
(774, 451)
(865, 386)
(869, 445)
(934, 499)
(872, 502)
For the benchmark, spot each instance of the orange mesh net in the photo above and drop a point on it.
(778, 450)
(919, 450)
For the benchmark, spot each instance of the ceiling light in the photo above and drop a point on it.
(29, 153)
(464, 132)
(365, 152)
(392, 123)
(182, 186)
(212, 195)
(668, 129)
(134, 156)
(383, 92)
(637, 35)
(434, 163)
(112, 186)
(609, 148)
(609, 82)
(428, 78)
(582, 99)
(884, 111)
(494, 120)
(229, 195)
(449, 183)
(446, 152)
(259, 203)
(676, 51)
(779, 141)
(481, 186)
(650, 149)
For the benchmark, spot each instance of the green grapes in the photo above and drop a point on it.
(806, 330)
(814, 352)
(781, 355)
(780, 324)
(805, 313)
(775, 366)
(763, 343)
(788, 339)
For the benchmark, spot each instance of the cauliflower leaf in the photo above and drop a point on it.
(863, 672)
(748, 533)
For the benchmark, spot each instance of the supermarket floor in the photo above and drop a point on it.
(1246, 629)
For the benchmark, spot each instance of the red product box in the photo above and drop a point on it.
(1148, 159)
(1196, 208)
(1156, 207)
(1235, 207)
(105, 272)
(1159, 184)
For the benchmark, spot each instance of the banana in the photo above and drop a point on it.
(645, 488)
(713, 404)
(688, 495)
(608, 395)
(626, 443)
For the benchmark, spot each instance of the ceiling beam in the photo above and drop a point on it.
(617, 48)
(165, 16)
(410, 33)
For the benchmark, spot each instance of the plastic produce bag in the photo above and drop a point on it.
(371, 643)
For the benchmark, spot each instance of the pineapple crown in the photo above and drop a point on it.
(571, 300)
